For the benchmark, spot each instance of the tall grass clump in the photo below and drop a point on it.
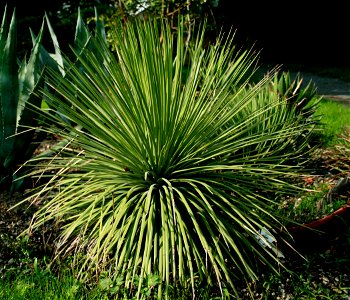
(166, 174)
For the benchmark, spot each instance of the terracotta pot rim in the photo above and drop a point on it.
(317, 223)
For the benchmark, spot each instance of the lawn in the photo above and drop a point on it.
(335, 121)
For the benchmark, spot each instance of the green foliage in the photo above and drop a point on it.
(300, 99)
(167, 8)
(301, 102)
(194, 12)
(281, 102)
(57, 60)
(166, 176)
(18, 83)
(82, 36)
(18, 86)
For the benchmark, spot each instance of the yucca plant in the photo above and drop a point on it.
(18, 81)
(157, 178)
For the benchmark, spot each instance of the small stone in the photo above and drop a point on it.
(337, 290)
(325, 280)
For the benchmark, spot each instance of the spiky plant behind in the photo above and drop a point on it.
(19, 81)
(157, 178)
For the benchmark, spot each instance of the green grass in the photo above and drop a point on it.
(335, 119)
(303, 282)
(40, 287)
(41, 284)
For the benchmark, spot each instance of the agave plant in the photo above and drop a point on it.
(82, 37)
(18, 82)
(298, 97)
(161, 176)
(282, 100)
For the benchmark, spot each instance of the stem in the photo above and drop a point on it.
(122, 10)
(188, 3)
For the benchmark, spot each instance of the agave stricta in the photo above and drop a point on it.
(18, 82)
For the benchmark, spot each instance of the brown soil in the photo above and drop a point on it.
(14, 249)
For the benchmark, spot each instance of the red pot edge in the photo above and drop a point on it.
(317, 223)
